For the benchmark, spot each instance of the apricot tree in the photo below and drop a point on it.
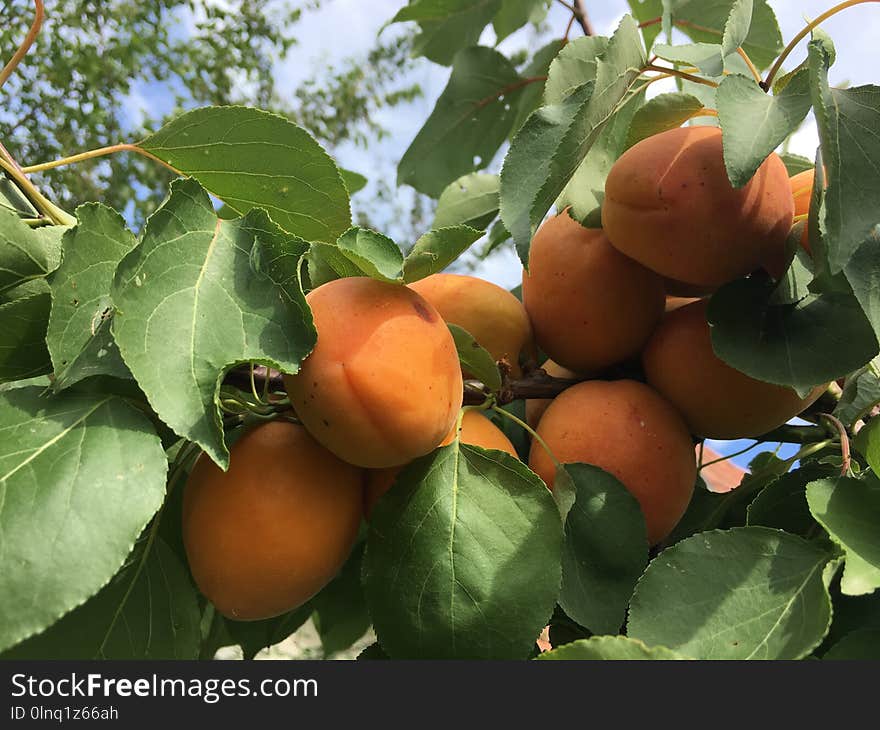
(253, 413)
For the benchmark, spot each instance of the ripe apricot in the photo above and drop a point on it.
(383, 384)
(535, 407)
(628, 430)
(266, 535)
(802, 192)
(716, 400)
(476, 430)
(590, 305)
(496, 319)
(669, 205)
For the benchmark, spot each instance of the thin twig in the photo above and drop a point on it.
(100, 152)
(26, 44)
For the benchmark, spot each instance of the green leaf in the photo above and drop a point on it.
(13, 201)
(354, 181)
(847, 120)
(755, 123)
(514, 14)
(796, 163)
(783, 502)
(253, 159)
(861, 644)
(341, 615)
(199, 295)
(531, 95)
(849, 509)
(26, 253)
(81, 302)
(663, 112)
(608, 648)
(148, 610)
(736, 28)
(471, 200)
(585, 191)
(745, 593)
(705, 56)
(463, 557)
(372, 653)
(326, 262)
(867, 443)
(435, 250)
(862, 272)
(706, 20)
(447, 25)
(372, 253)
(471, 119)
(254, 636)
(605, 550)
(860, 393)
(777, 344)
(553, 142)
(573, 66)
(645, 10)
(475, 359)
(80, 476)
(23, 322)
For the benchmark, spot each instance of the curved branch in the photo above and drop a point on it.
(26, 44)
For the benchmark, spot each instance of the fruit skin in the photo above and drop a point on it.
(628, 430)
(496, 319)
(669, 205)
(383, 385)
(802, 192)
(268, 534)
(716, 400)
(535, 407)
(590, 305)
(476, 430)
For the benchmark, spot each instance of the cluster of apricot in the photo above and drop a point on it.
(383, 385)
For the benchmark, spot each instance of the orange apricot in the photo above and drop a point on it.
(627, 429)
(590, 305)
(716, 400)
(673, 303)
(802, 192)
(670, 206)
(496, 319)
(535, 407)
(476, 430)
(266, 535)
(383, 384)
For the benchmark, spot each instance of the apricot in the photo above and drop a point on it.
(627, 429)
(476, 430)
(383, 384)
(496, 319)
(802, 192)
(535, 407)
(680, 289)
(266, 535)
(669, 205)
(716, 400)
(590, 305)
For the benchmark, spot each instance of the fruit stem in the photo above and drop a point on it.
(530, 431)
(768, 82)
(745, 57)
(26, 44)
